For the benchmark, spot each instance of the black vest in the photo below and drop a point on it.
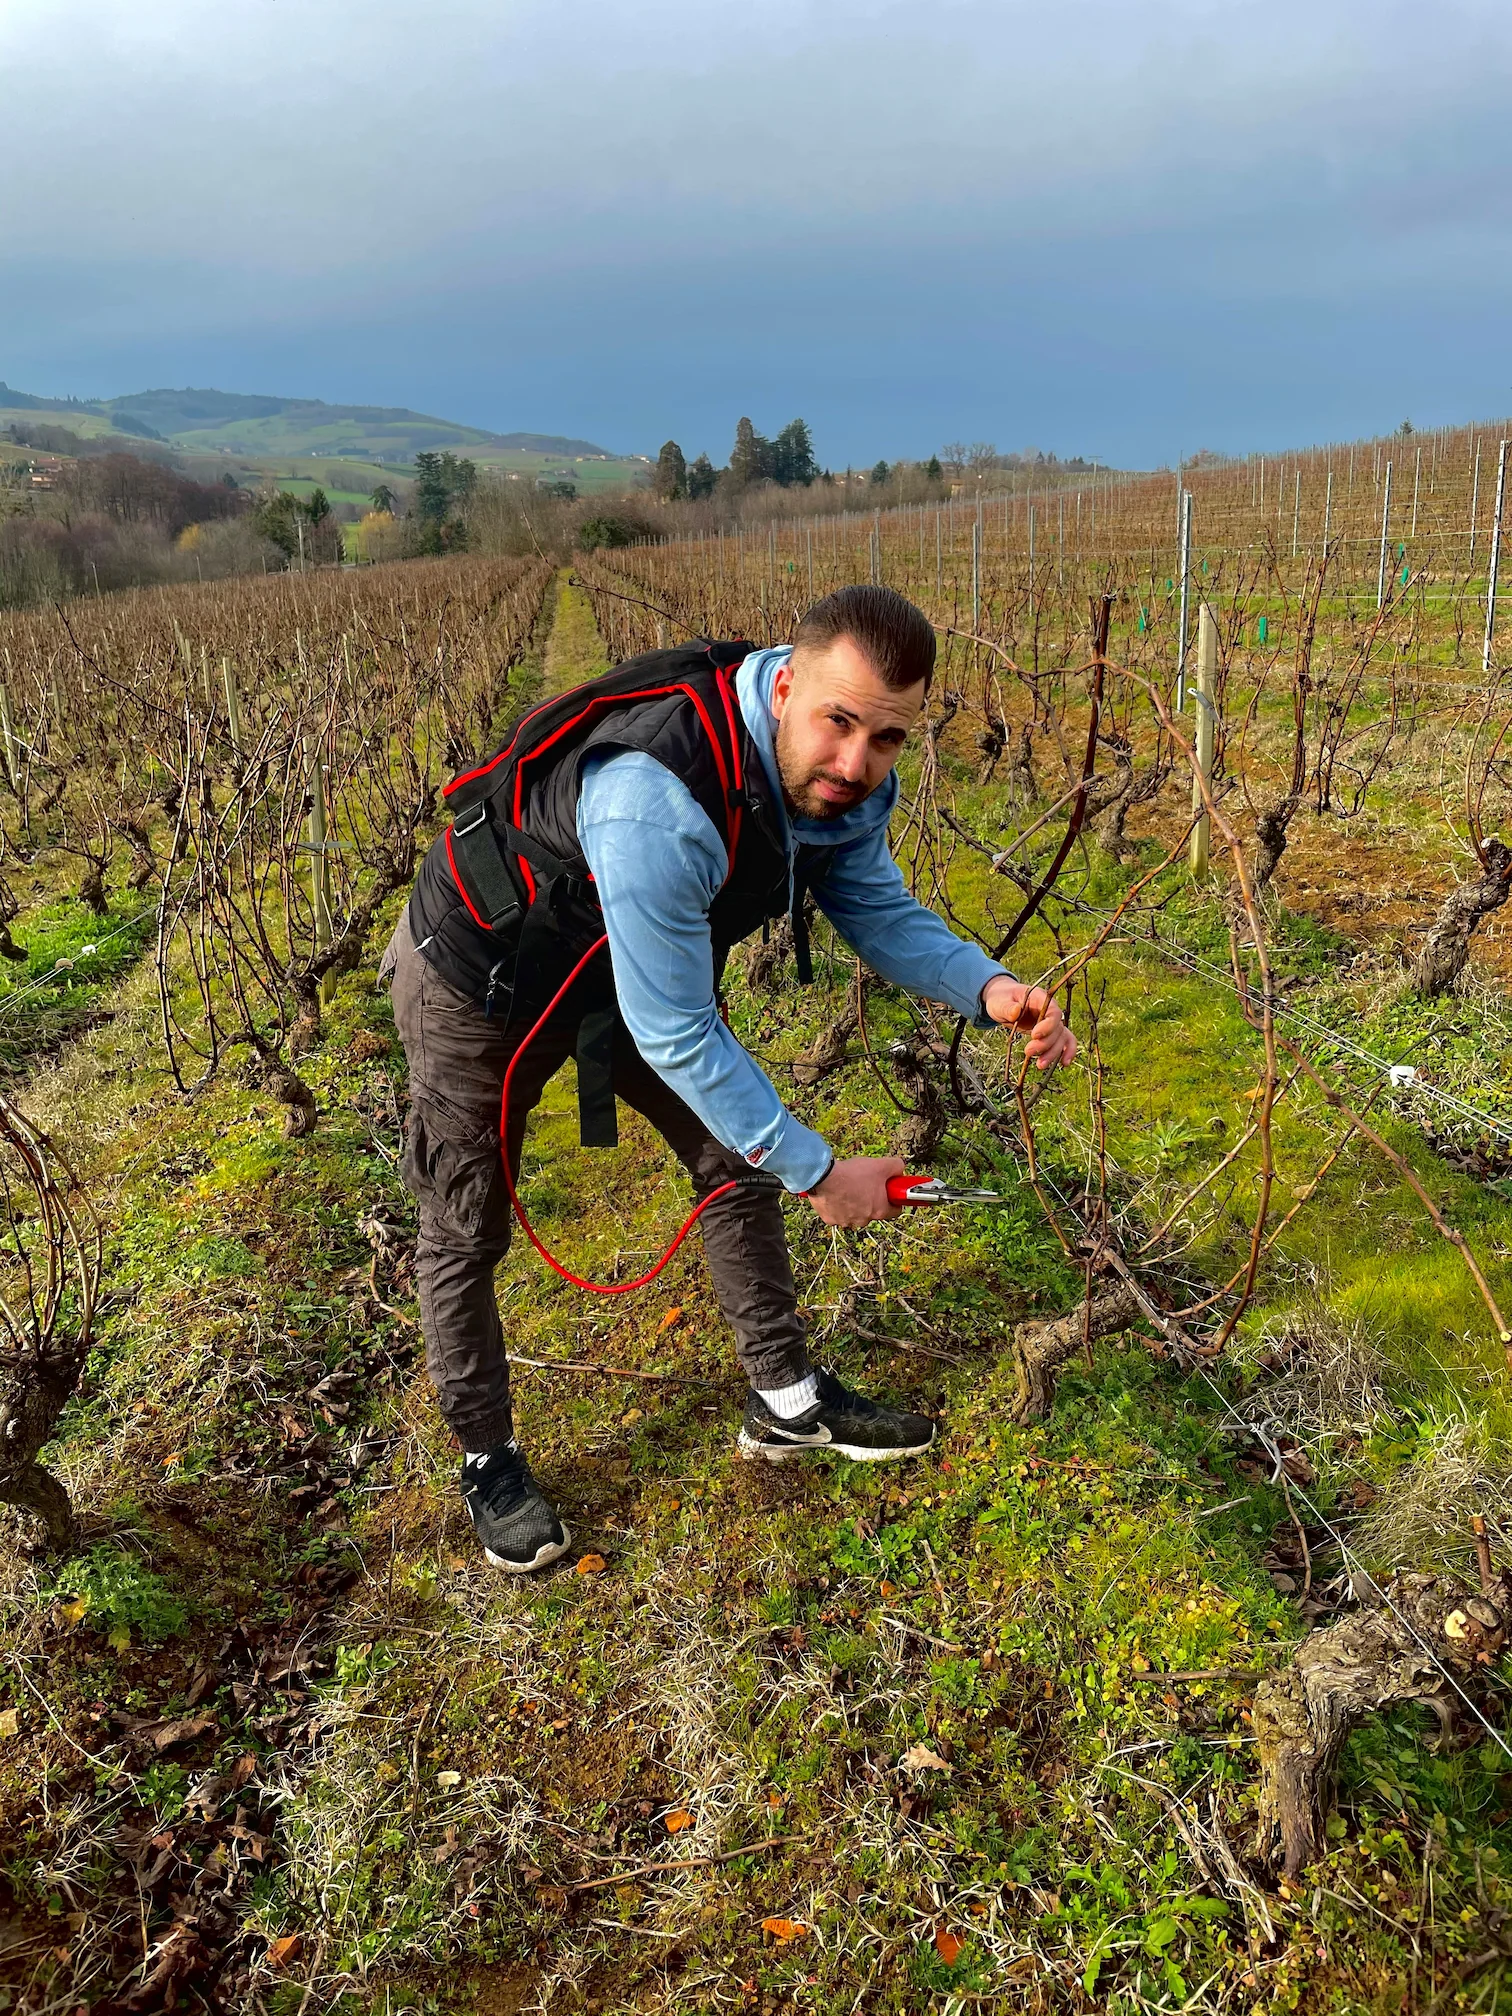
(504, 902)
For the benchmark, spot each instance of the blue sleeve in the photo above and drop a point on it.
(864, 897)
(657, 865)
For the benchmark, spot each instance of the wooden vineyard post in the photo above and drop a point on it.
(1327, 513)
(1186, 581)
(7, 730)
(810, 536)
(939, 553)
(1385, 529)
(320, 867)
(233, 704)
(876, 549)
(1474, 502)
(1207, 687)
(1296, 508)
(976, 577)
(1494, 563)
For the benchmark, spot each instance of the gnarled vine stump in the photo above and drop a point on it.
(1368, 1661)
(1040, 1349)
(1442, 955)
(49, 1283)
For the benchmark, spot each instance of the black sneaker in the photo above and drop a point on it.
(839, 1423)
(519, 1527)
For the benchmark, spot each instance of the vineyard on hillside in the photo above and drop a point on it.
(1174, 1683)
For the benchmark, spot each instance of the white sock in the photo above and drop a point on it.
(482, 1455)
(788, 1402)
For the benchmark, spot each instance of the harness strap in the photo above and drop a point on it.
(480, 870)
(479, 847)
(598, 1118)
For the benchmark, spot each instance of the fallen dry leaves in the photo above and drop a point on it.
(784, 1929)
(592, 1564)
(948, 1946)
(921, 1758)
(675, 1822)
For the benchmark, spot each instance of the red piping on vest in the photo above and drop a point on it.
(451, 862)
(732, 810)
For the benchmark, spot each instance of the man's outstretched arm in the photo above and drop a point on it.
(864, 896)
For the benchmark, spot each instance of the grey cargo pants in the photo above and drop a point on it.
(452, 1169)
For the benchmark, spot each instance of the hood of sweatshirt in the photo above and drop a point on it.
(753, 689)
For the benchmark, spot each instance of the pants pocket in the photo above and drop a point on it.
(454, 1174)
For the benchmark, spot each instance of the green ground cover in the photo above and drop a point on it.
(921, 1714)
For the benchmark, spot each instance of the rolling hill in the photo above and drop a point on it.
(263, 426)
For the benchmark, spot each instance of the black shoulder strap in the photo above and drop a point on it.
(480, 845)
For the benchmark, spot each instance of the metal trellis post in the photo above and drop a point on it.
(1186, 576)
(1494, 564)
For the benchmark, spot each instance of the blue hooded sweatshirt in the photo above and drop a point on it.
(658, 864)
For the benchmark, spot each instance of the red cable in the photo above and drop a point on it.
(593, 1287)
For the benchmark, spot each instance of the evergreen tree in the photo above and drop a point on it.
(702, 477)
(751, 457)
(881, 473)
(933, 470)
(671, 478)
(318, 506)
(383, 498)
(441, 482)
(274, 521)
(432, 494)
(793, 455)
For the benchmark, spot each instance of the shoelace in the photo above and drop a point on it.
(502, 1477)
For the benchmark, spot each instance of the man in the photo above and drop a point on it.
(672, 806)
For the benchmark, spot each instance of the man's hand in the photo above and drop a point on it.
(1031, 1009)
(855, 1191)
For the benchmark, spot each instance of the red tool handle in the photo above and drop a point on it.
(898, 1188)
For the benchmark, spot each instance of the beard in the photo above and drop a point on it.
(803, 801)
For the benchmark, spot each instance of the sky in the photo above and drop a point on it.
(1128, 229)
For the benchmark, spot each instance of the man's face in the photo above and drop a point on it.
(840, 729)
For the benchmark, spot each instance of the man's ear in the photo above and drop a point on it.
(782, 687)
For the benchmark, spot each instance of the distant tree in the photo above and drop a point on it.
(431, 492)
(880, 473)
(228, 481)
(607, 530)
(933, 470)
(982, 455)
(441, 483)
(954, 454)
(793, 455)
(1406, 430)
(383, 499)
(750, 458)
(702, 477)
(275, 520)
(317, 506)
(671, 478)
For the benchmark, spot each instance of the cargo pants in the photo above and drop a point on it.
(452, 1168)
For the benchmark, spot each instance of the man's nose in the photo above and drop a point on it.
(851, 762)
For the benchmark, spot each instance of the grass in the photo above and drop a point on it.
(922, 1702)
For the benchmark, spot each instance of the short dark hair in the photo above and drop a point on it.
(896, 638)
